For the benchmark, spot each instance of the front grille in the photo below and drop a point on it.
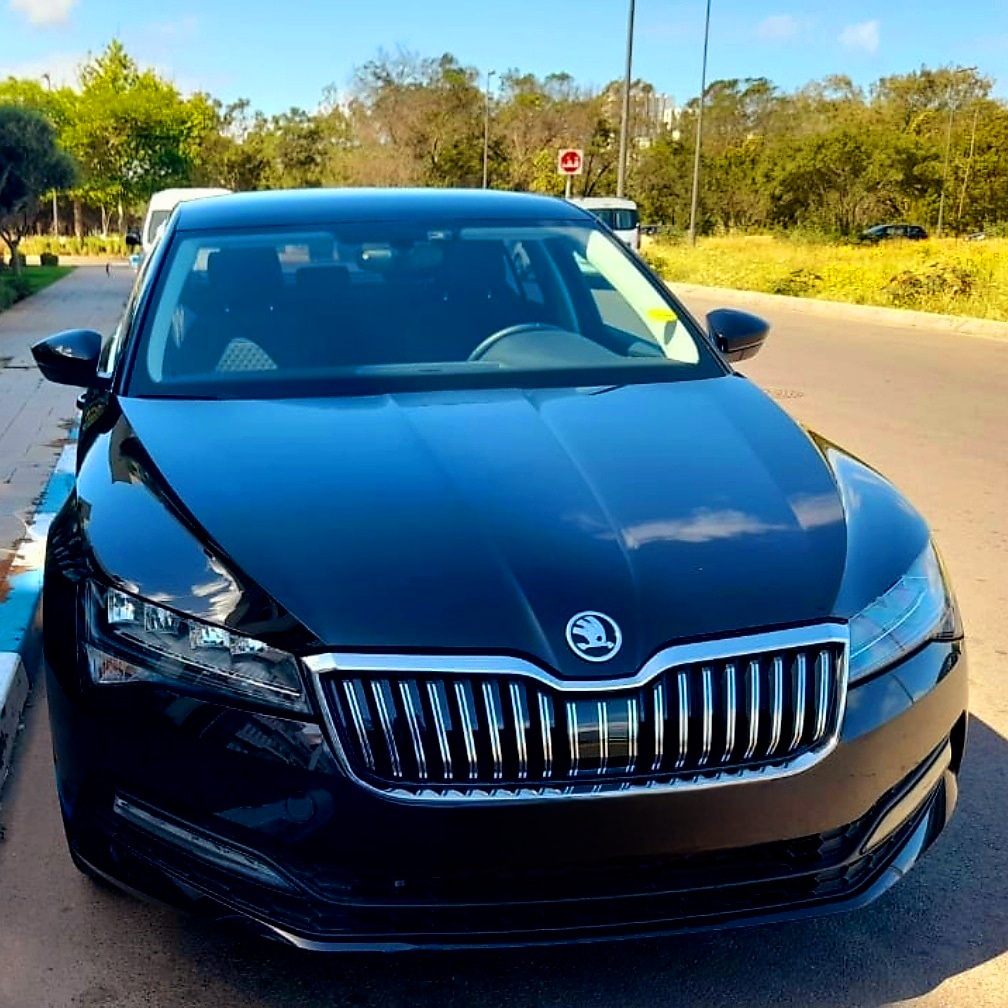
(432, 728)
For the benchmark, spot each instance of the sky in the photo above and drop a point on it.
(283, 54)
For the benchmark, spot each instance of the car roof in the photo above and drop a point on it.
(295, 207)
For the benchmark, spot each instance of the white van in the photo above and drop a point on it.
(160, 208)
(619, 215)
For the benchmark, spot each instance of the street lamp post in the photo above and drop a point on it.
(945, 171)
(624, 132)
(486, 130)
(699, 131)
(55, 205)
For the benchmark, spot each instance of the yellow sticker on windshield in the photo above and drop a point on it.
(662, 315)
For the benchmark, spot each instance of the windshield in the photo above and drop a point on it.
(372, 306)
(618, 220)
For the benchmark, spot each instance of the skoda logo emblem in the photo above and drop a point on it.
(594, 636)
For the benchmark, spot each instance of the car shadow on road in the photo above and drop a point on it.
(948, 915)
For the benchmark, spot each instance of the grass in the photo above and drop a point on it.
(949, 276)
(30, 281)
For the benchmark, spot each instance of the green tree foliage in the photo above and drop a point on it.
(829, 157)
(31, 164)
(132, 132)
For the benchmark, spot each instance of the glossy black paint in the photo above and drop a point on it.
(737, 334)
(530, 506)
(69, 357)
(473, 521)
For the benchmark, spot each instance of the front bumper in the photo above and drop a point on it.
(249, 818)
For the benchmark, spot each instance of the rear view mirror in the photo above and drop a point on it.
(70, 357)
(737, 334)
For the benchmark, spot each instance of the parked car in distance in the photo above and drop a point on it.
(889, 232)
(619, 215)
(432, 578)
(160, 207)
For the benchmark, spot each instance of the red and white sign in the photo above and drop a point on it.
(570, 162)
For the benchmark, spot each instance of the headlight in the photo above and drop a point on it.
(132, 640)
(918, 608)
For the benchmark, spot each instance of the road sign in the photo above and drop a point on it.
(570, 162)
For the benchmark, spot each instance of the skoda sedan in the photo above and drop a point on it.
(432, 579)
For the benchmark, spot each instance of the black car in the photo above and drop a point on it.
(889, 232)
(431, 578)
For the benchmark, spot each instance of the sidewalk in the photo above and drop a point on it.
(35, 418)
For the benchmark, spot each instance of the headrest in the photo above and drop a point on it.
(321, 284)
(476, 264)
(245, 275)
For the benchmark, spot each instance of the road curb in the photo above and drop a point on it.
(897, 317)
(20, 605)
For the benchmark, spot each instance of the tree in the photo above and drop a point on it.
(31, 164)
(132, 132)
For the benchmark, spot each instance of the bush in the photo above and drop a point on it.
(936, 280)
(48, 259)
(798, 283)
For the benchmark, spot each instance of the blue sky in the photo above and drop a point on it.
(283, 54)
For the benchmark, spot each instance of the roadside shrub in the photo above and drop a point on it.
(7, 297)
(798, 283)
(48, 259)
(936, 280)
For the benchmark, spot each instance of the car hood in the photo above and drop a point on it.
(482, 520)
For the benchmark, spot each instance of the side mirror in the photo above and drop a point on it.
(70, 357)
(737, 334)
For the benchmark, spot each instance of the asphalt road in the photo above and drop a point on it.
(929, 410)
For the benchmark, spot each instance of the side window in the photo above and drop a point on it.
(112, 347)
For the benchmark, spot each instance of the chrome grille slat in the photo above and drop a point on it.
(573, 739)
(823, 672)
(632, 729)
(520, 727)
(708, 716)
(682, 688)
(753, 693)
(468, 733)
(603, 722)
(799, 701)
(350, 689)
(493, 728)
(729, 711)
(499, 732)
(386, 723)
(440, 725)
(659, 727)
(776, 705)
(546, 723)
(412, 722)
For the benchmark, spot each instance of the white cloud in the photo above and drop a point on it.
(44, 12)
(179, 30)
(863, 37)
(62, 68)
(778, 27)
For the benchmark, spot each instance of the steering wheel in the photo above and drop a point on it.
(512, 330)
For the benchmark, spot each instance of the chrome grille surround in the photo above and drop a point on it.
(482, 728)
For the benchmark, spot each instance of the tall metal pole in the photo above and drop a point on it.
(699, 131)
(624, 132)
(486, 130)
(55, 205)
(969, 165)
(948, 157)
